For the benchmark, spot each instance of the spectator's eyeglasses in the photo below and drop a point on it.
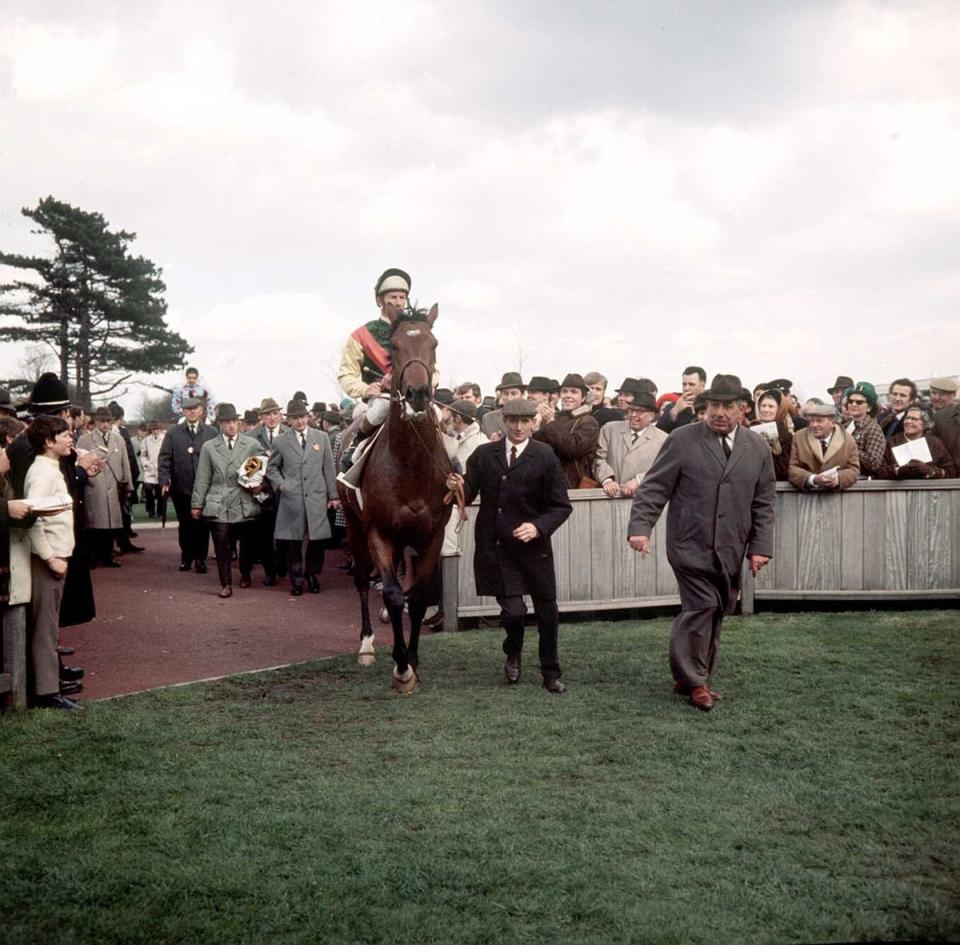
(855, 403)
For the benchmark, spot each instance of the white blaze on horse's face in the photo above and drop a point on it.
(412, 332)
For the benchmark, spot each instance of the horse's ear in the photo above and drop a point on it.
(432, 314)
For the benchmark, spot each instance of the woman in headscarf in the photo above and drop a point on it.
(772, 407)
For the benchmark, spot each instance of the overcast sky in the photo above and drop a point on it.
(769, 189)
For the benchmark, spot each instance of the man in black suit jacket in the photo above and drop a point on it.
(718, 478)
(176, 471)
(268, 434)
(523, 502)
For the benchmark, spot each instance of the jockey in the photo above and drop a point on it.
(365, 369)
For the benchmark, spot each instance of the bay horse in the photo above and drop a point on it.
(399, 530)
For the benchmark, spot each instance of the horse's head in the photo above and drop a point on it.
(414, 356)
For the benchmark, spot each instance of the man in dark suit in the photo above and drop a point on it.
(268, 434)
(176, 472)
(718, 478)
(523, 502)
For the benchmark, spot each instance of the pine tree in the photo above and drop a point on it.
(100, 309)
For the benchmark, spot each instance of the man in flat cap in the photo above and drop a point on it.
(823, 456)
(571, 432)
(946, 424)
(718, 478)
(523, 502)
(177, 471)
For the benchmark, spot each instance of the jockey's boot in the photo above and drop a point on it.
(363, 431)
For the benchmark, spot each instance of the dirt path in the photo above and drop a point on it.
(156, 626)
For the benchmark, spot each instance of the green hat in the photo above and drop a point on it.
(226, 412)
(866, 389)
(297, 408)
(574, 380)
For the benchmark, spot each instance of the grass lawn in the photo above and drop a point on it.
(817, 803)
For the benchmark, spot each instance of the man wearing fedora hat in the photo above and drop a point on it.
(627, 448)
(301, 471)
(626, 393)
(106, 493)
(571, 432)
(523, 502)
(176, 474)
(511, 387)
(718, 478)
(218, 497)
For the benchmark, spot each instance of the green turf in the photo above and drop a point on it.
(817, 803)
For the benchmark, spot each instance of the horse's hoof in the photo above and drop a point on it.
(384, 615)
(366, 659)
(406, 683)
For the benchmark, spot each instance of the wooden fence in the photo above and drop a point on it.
(877, 540)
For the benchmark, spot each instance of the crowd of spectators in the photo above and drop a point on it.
(284, 517)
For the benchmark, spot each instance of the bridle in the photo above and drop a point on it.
(398, 386)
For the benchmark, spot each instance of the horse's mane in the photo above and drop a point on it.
(410, 314)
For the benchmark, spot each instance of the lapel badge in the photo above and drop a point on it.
(316, 447)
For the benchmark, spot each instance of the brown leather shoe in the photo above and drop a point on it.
(244, 580)
(701, 698)
(554, 684)
(679, 689)
(226, 591)
(511, 668)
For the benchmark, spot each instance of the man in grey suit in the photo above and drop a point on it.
(627, 448)
(219, 498)
(302, 474)
(718, 478)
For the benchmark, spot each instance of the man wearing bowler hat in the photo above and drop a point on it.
(523, 502)
(718, 478)
(176, 473)
(571, 432)
(511, 387)
(301, 471)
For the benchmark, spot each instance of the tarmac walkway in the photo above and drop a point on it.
(156, 626)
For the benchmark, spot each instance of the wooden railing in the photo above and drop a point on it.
(876, 540)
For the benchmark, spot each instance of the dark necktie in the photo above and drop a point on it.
(193, 430)
(635, 437)
(270, 437)
(229, 442)
(725, 443)
(513, 455)
(303, 441)
(824, 445)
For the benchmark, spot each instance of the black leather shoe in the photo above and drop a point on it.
(296, 590)
(554, 684)
(132, 549)
(244, 580)
(200, 567)
(70, 672)
(511, 668)
(226, 591)
(270, 581)
(313, 585)
(66, 650)
(56, 701)
(185, 565)
(69, 686)
(110, 564)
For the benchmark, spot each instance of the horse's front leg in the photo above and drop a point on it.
(404, 678)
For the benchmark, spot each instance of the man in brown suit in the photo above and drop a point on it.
(820, 447)
(718, 478)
